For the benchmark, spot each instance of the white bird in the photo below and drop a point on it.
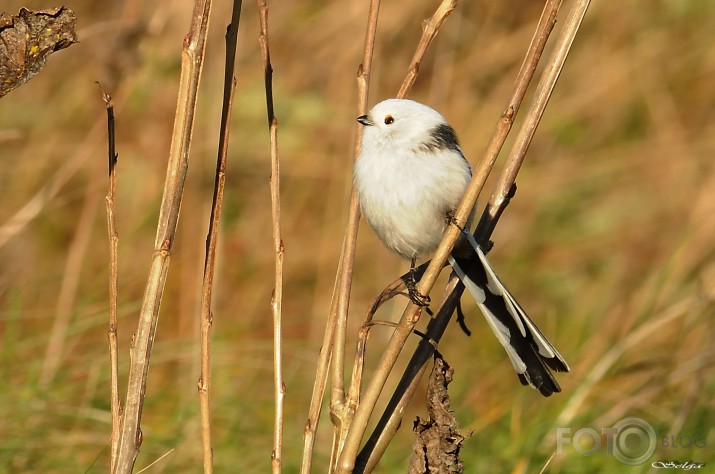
(410, 177)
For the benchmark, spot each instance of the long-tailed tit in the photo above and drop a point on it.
(410, 177)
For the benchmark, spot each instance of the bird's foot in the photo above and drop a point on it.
(413, 294)
(453, 221)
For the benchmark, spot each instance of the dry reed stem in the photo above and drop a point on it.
(340, 408)
(429, 32)
(116, 407)
(392, 417)
(140, 352)
(538, 104)
(430, 28)
(277, 296)
(523, 79)
(204, 382)
(333, 347)
(358, 425)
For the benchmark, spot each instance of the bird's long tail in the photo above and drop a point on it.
(531, 354)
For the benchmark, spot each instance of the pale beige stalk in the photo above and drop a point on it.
(334, 338)
(278, 248)
(130, 437)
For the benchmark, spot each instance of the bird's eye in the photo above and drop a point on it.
(389, 119)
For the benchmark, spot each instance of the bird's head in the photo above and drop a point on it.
(406, 124)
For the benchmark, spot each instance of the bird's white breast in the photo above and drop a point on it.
(406, 195)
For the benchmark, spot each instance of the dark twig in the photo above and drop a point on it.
(204, 382)
(116, 407)
(278, 248)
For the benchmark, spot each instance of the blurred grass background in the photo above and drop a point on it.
(608, 243)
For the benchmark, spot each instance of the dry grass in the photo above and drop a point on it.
(611, 230)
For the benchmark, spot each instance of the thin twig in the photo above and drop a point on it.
(191, 65)
(116, 406)
(156, 461)
(204, 382)
(342, 408)
(392, 417)
(358, 421)
(395, 288)
(548, 461)
(277, 296)
(429, 32)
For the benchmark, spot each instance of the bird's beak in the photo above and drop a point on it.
(365, 120)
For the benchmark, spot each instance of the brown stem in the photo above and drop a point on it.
(429, 32)
(334, 338)
(116, 407)
(204, 382)
(277, 296)
(192, 56)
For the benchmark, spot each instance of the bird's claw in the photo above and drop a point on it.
(453, 221)
(414, 295)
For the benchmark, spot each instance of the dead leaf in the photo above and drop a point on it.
(28, 39)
